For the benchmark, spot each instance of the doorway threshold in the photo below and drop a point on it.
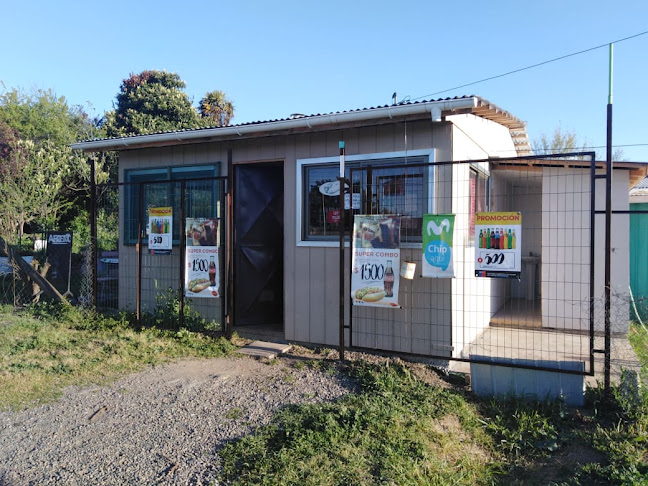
(261, 332)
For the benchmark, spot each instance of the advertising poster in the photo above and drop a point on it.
(202, 276)
(160, 239)
(498, 243)
(375, 255)
(59, 256)
(437, 245)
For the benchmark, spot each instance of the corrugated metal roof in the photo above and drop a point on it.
(481, 108)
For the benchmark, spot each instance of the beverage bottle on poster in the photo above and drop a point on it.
(388, 281)
(481, 236)
(501, 239)
(488, 238)
(505, 241)
(513, 242)
(212, 271)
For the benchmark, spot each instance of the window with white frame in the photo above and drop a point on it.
(389, 183)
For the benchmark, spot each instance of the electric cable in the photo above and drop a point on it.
(533, 65)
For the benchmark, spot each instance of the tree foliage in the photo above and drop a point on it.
(42, 116)
(149, 102)
(559, 142)
(34, 190)
(565, 141)
(43, 182)
(216, 108)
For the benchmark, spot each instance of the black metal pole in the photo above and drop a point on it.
(608, 248)
(608, 234)
(592, 261)
(138, 303)
(229, 255)
(341, 180)
(183, 244)
(93, 232)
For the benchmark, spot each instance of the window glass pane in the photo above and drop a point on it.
(389, 190)
(400, 191)
(322, 215)
(478, 199)
(200, 195)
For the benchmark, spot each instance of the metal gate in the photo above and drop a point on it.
(550, 318)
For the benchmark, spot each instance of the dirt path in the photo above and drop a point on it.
(161, 426)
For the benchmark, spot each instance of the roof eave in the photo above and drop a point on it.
(434, 109)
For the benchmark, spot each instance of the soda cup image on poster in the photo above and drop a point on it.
(375, 255)
(498, 244)
(202, 275)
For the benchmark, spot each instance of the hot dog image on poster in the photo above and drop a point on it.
(202, 273)
(375, 255)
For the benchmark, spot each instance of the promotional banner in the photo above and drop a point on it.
(202, 276)
(375, 255)
(437, 245)
(160, 239)
(59, 256)
(498, 243)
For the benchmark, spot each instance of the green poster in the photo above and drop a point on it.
(437, 245)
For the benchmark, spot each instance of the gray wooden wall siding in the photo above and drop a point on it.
(311, 285)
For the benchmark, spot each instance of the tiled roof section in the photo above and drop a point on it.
(485, 109)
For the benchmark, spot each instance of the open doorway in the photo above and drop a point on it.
(521, 190)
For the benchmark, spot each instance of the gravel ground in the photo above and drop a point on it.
(162, 426)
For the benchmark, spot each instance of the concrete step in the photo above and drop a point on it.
(263, 349)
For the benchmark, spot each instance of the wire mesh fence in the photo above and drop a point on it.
(546, 313)
(167, 268)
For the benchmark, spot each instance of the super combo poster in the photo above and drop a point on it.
(437, 260)
(498, 243)
(376, 253)
(202, 273)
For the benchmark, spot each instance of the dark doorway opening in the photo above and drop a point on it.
(258, 245)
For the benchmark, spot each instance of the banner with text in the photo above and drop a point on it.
(59, 256)
(498, 243)
(202, 275)
(160, 239)
(375, 254)
(437, 245)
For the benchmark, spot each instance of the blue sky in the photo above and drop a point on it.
(277, 58)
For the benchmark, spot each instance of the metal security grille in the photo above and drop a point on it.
(129, 276)
(551, 317)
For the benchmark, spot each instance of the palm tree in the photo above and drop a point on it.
(217, 107)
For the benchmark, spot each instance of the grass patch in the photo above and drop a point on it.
(48, 347)
(638, 337)
(396, 430)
